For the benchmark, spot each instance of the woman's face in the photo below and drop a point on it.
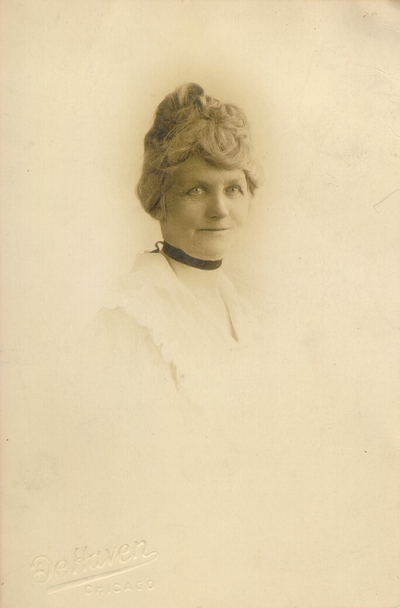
(204, 208)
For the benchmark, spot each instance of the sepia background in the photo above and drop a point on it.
(320, 83)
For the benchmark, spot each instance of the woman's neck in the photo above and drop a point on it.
(202, 283)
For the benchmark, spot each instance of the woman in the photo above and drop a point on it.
(198, 178)
(178, 406)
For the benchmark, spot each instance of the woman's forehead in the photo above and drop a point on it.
(197, 169)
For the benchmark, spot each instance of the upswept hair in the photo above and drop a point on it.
(188, 123)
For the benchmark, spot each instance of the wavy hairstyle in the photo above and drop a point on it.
(187, 123)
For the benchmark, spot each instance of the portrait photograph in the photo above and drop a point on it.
(200, 303)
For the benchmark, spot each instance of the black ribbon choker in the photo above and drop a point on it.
(184, 258)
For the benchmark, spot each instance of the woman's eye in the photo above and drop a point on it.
(234, 189)
(196, 191)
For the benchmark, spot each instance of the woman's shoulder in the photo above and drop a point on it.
(141, 308)
(131, 303)
(150, 280)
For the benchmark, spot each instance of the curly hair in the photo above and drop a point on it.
(187, 123)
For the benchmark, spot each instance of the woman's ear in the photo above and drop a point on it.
(160, 212)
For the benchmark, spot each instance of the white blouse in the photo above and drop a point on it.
(174, 330)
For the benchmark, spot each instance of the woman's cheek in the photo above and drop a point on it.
(240, 216)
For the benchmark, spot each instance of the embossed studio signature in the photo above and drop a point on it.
(88, 566)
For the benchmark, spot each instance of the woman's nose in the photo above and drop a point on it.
(218, 206)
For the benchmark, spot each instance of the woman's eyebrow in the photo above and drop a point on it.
(236, 180)
(192, 183)
(196, 181)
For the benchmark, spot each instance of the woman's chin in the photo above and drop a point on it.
(208, 253)
(214, 245)
(211, 256)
